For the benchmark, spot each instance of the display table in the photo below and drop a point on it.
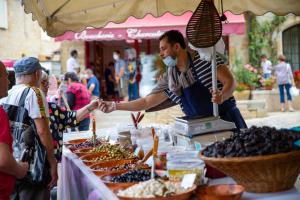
(79, 182)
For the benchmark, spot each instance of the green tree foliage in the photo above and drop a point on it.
(260, 36)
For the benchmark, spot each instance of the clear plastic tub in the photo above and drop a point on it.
(177, 169)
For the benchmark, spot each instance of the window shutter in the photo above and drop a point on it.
(3, 14)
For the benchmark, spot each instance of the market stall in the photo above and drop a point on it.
(260, 160)
(81, 182)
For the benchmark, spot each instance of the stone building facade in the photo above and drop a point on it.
(20, 35)
(238, 44)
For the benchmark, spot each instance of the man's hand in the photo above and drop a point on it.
(217, 97)
(53, 172)
(23, 169)
(107, 106)
(94, 104)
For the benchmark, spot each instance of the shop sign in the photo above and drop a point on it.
(98, 36)
(134, 33)
(125, 34)
(117, 34)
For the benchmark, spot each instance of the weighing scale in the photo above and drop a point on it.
(191, 127)
(198, 132)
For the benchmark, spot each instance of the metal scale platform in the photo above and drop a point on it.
(191, 127)
(192, 132)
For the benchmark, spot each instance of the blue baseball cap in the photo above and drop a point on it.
(27, 65)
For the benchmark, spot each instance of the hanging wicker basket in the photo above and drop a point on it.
(204, 28)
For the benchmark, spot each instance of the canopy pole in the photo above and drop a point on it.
(214, 80)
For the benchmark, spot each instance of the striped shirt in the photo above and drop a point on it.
(202, 71)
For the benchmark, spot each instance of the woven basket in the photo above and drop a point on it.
(204, 28)
(271, 173)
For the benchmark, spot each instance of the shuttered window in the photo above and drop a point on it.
(3, 14)
(291, 47)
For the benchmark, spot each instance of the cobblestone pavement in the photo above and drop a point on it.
(276, 119)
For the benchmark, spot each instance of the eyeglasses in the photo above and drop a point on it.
(45, 83)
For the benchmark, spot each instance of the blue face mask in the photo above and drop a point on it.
(169, 61)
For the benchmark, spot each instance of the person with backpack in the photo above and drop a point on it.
(10, 169)
(27, 108)
(285, 79)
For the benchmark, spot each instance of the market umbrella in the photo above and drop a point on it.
(58, 16)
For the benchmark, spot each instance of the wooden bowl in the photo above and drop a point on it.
(112, 163)
(181, 196)
(106, 178)
(83, 151)
(77, 141)
(221, 192)
(88, 159)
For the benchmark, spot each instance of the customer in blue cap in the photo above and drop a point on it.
(28, 79)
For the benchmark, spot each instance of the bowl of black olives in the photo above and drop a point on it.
(262, 159)
(118, 179)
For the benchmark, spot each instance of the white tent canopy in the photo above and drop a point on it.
(58, 16)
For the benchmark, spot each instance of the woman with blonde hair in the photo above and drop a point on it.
(285, 79)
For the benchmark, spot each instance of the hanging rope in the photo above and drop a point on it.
(223, 16)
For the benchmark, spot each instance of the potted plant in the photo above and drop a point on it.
(242, 92)
(247, 78)
(268, 83)
(297, 78)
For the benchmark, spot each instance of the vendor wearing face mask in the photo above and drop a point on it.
(187, 82)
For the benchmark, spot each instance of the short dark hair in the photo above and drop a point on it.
(117, 51)
(74, 52)
(174, 36)
(263, 56)
(72, 76)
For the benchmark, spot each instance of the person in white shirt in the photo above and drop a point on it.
(72, 63)
(266, 66)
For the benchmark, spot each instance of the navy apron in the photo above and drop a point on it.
(196, 101)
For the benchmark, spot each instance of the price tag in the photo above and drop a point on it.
(188, 180)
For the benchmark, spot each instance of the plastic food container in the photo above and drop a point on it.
(183, 155)
(177, 169)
